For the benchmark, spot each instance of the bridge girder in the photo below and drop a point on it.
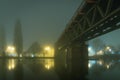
(92, 18)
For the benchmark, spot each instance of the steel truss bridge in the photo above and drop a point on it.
(92, 19)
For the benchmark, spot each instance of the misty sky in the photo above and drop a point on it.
(42, 20)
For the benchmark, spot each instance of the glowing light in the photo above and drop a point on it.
(89, 65)
(10, 49)
(49, 63)
(20, 55)
(32, 55)
(47, 48)
(110, 50)
(48, 51)
(100, 52)
(11, 64)
(108, 66)
(107, 48)
(100, 62)
(91, 51)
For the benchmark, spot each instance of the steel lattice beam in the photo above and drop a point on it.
(93, 18)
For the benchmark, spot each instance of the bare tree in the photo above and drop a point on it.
(34, 48)
(98, 44)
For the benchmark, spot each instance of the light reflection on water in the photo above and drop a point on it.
(49, 63)
(27, 69)
(100, 63)
(43, 69)
(11, 64)
(91, 63)
(104, 69)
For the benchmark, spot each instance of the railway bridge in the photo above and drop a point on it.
(93, 18)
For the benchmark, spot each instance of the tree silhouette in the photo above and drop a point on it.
(98, 44)
(2, 39)
(18, 39)
(34, 48)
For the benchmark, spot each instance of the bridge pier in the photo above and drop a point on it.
(79, 60)
(72, 61)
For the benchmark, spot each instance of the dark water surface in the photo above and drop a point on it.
(44, 69)
(104, 69)
(27, 69)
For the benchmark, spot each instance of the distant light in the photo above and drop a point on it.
(48, 51)
(47, 48)
(89, 48)
(108, 66)
(100, 52)
(89, 65)
(107, 48)
(100, 62)
(110, 50)
(32, 55)
(91, 51)
(10, 49)
(20, 55)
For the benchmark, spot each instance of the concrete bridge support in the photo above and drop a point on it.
(72, 62)
(79, 61)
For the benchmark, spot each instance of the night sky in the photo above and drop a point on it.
(42, 20)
